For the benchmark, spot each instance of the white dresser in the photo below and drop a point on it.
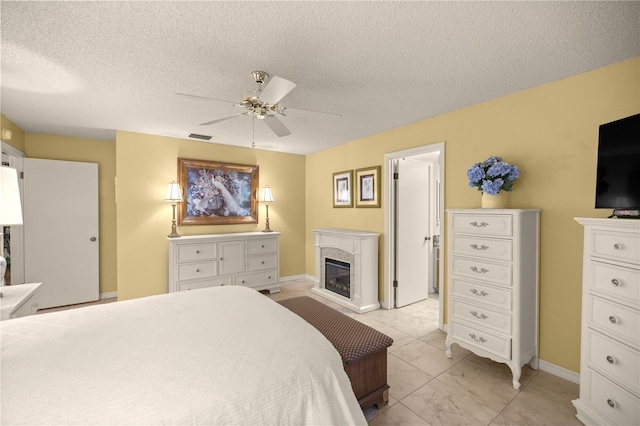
(250, 259)
(493, 269)
(19, 300)
(610, 357)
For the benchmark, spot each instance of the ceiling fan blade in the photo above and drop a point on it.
(204, 98)
(308, 113)
(223, 118)
(276, 125)
(277, 89)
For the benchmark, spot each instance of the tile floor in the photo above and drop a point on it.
(427, 388)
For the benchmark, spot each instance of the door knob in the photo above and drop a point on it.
(93, 238)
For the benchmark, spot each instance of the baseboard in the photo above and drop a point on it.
(113, 294)
(294, 278)
(561, 372)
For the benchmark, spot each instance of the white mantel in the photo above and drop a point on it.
(360, 250)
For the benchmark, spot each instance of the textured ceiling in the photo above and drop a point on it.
(86, 69)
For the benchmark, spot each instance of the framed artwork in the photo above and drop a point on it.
(217, 193)
(368, 187)
(342, 189)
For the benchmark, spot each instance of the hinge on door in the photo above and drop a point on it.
(21, 175)
(395, 175)
(395, 283)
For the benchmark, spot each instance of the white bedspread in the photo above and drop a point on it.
(225, 355)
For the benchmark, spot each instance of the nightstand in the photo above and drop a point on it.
(18, 301)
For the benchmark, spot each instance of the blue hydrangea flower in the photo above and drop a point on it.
(499, 169)
(475, 174)
(491, 161)
(492, 187)
(514, 173)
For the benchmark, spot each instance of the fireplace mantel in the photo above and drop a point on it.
(360, 250)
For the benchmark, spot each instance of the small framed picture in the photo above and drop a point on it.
(342, 189)
(368, 187)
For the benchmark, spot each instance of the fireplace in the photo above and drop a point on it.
(347, 268)
(337, 277)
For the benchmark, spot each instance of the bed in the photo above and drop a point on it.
(223, 355)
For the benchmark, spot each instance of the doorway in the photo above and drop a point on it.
(414, 208)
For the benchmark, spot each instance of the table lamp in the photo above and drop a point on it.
(266, 197)
(174, 195)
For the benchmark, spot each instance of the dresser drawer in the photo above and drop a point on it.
(480, 338)
(194, 285)
(267, 245)
(268, 261)
(494, 225)
(197, 270)
(616, 281)
(498, 297)
(616, 319)
(622, 246)
(255, 279)
(620, 362)
(482, 247)
(611, 400)
(191, 252)
(482, 270)
(482, 316)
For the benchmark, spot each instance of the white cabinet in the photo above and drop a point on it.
(250, 259)
(18, 300)
(610, 347)
(493, 285)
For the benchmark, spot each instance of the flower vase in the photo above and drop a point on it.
(498, 201)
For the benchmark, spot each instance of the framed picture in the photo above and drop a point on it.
(368, 187)
(342, 190)
(217, 193)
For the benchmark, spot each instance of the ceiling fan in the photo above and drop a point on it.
(261, 104)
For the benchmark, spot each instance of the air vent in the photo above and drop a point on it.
(197, 136)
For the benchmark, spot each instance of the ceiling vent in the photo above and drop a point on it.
(197, 136)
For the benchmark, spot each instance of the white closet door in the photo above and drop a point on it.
(61, 230)
(414, 243)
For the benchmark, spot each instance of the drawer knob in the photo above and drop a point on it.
(269, 277)
(617, 246)
(221, 258)
(610, 359)
(242, 281)
(612, 403)
(480, 316)
(613, 320)
(477, 247)
(478, 225)
(262, 246)
(479, 293)
(197, 251)
(479, 270)
(615, 282)
(263, 262)
(477, 339)
(197, 270)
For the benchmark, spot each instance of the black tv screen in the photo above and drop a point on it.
(618, 175)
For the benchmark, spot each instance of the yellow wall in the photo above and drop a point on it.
(91, 151)
(551, 133)
(17, 137)
(146, 164)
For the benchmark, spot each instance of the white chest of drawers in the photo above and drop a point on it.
(493, 268)
(610, 346)
(250, 259)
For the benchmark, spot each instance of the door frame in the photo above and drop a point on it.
(389, 219)
(16, 158)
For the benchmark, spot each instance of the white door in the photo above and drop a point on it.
(61, 231)
(413, 232)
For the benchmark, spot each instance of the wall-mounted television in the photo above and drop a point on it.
(618, 173)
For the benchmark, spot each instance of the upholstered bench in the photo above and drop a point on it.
(362, 348)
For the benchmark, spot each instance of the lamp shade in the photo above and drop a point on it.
(174, 193)
(10, 208)
(266, 196)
